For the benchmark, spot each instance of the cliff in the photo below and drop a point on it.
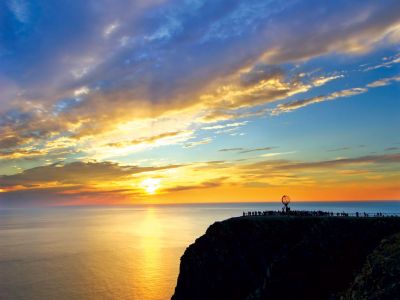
(284, 258)
(380, 276)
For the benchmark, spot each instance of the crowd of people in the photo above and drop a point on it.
(308, 213)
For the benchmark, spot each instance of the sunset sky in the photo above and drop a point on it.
(170, 101)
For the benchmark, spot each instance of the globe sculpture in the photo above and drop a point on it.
(285, 202)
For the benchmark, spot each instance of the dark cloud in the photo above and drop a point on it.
(68, 195)
(230, 149)
(347, 36)
(247, 150)
(75, 173)
(23, 128)
(72, 184)
(35, 197)
(261, 73)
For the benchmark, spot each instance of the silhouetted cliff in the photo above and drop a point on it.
(282, 258)
(380, 276)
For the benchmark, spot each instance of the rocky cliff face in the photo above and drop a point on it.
(379, 279)
(281, 258)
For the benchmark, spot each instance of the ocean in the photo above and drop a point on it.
(115, 252)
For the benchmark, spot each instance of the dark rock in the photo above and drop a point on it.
(279, 257)
(380, 276)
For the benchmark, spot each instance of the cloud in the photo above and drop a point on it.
(140, 79)
(204, 141)
(223, 126)
(261, 73)
(293, 105)
(353, 172)
(392, 149)
(383, 82)
(76, 173)
(218, 115)
(369, 159)
(20, 10)
(230, 149)
(291, 173)
(109, 29)
(151, 139)
(246, 150)
(76, 183)
(256, 184)
(276, 153)
(131, 75)
(344, 148)
(204, 185)
(338, 149)
(388, 62)
(68, 195)
(290, 106)
(323, 80)
(227, 98)
(256, 149)
(319, 171)
(107, 182)
(357, 30)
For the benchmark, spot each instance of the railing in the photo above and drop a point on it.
(305, 213)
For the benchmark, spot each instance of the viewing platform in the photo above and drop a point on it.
(318, 213)
(286, 211)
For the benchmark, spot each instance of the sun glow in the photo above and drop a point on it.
(150, 185)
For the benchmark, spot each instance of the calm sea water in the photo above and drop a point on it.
(113, 253)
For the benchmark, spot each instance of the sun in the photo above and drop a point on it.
(150, 185)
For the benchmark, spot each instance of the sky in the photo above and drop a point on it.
(109, 102)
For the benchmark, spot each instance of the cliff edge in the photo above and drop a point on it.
(379, 279)
(275, 257)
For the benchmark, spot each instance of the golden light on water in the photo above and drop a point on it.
(150, 185)
(150, 255)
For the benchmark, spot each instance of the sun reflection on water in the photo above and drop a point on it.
(99, 253)
(151, 253)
